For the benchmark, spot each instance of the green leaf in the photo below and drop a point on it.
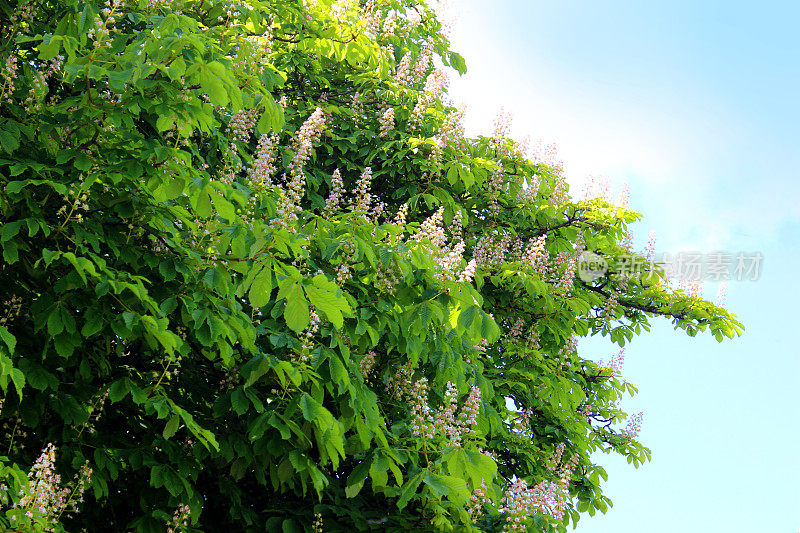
(213, 86)
(261, 289)
(239, 402)
(262, 367)
(64, 345)
(119, 389)
(19, 380)
(296, 312)
(93, 324)
(172, 427)
(409, 490)
(339, 372)
(310, 407)
(8, 339)
(203, 204)
(10, 252)
(54, 322)
(458, 63)
(224, 207)
(9, 141)
(455, 489)
(272, 119)
(351, 491)
(323, 294)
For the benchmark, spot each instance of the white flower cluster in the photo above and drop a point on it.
(564, 355)
(610, 306)
(502, 124)
(264, 163)
(362, 196)
(435, 84)
(366, 364)
(547, 497)
(431, 230)
(423, 63)
(357, 107)
(240, 129)
(250, 57)
(307, 343)
(10, 310)
(336, 194)
(44, 497)
(8, 76)
(421, 420)
(489, 251)
(316, 527)
(530, 190)
(468, 274)
(402, 213)
(342, 9)
(388, 277)
(448, 422)
(403, 73)
(634, 426)
(532, 341)
(475, 506)
(431, 236)
(386, 121)
(494, 185)
(563, 272)
(457, 225)
(180, 520)
(101, 28)
(241, 125)
(451, 134)
(401, 383)
(38, 88)
(514, 333)
(309, 134)
(616, 363)
(389, 25)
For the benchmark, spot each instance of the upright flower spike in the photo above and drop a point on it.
(422, 424)
(423, 63)
(502, 124)
(432, 230)
(180, 520)
(402, 213)
(617, 362)
(336, 195)
(363, 197)
(634, 426)
(308, 135)
(468, 273)
(624, 196)
(387, 121)
(468, 416)
(445, 421)
(722, 295)
(264, 164)
(650, 247)
(404, 70)
(44, 499)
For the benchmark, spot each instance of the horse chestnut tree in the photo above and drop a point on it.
(255, 277)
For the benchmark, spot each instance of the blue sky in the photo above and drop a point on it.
(696, 105)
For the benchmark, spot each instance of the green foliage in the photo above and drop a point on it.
(165, 318)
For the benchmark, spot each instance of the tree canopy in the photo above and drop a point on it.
(256, 278)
